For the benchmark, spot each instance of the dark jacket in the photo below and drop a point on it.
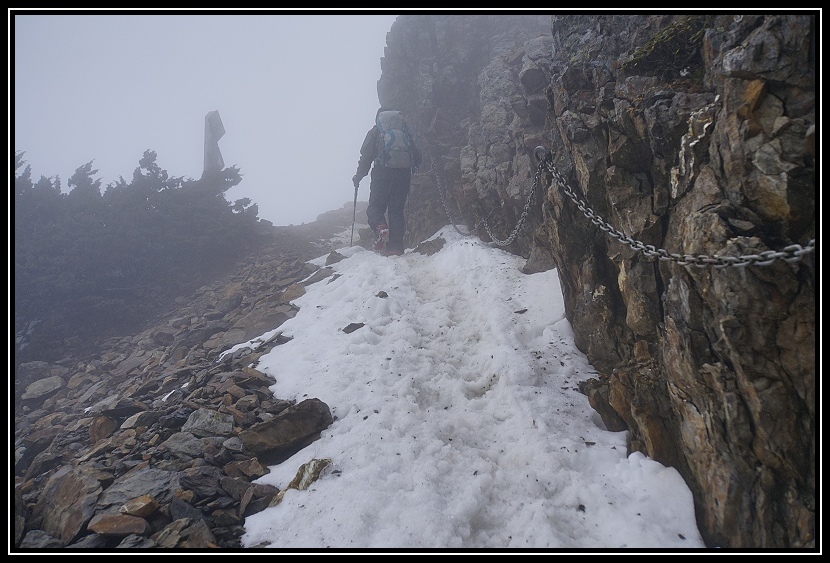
(369, 152)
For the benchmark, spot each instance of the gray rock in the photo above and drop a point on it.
(206, 422)
(68, 502)
(291, 427)
(43, 388)
(29, 372)
(157, 483)
(38, 539)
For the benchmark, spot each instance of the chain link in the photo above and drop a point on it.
(789, 254)
(522, 217)
(442, 195)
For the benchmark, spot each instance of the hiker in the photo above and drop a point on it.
(391, 145)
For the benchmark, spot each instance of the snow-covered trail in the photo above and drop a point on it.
(457, 400)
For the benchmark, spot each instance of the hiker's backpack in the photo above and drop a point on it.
(395, 140)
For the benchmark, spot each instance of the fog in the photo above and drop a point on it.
(296, 94)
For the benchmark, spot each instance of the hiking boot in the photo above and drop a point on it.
(381, 238)
(389, 252)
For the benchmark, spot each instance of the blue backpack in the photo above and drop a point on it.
(395, 150)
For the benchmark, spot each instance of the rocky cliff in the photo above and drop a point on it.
(675, 195)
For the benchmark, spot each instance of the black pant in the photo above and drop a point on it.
(388, 191)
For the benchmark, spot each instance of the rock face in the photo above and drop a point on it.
(693, 134)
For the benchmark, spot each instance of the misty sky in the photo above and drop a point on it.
(296, 94)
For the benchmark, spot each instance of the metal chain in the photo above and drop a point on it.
(789, 254)
(522, 217)
(442, 195)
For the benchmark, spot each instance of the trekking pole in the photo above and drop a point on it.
(354, 215)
